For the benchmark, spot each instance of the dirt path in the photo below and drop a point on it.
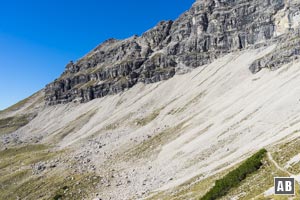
(270, 157)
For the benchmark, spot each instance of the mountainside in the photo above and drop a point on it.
(209, 30)
(180, 107)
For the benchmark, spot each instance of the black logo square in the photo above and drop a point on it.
(284, 186)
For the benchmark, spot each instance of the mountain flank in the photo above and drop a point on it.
(165, 114)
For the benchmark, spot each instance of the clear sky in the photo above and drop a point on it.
(39, 37)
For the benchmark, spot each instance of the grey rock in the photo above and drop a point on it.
(286, 51)
(209, 30)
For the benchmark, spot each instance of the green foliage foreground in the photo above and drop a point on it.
(233, 178)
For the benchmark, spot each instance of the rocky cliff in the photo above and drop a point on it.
(210, 29)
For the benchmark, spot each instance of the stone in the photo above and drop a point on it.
(209, 30)
(286, 51)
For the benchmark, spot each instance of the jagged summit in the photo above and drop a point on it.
(210, 29)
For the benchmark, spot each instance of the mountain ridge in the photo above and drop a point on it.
(202, 115)
(209, 30)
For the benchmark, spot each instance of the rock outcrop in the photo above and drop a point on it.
(285, 52)
(210, 29)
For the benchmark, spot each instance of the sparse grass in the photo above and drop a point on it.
(25, 149)
(11, 124)
(18, 182)
(192, 189)
(146, 120)
(195, 100)
(11, 160)
(21, 104)
(284, 152)
(17, 105)
(281, 197)
(76, 187)
(74, 126)
(120, 102)
(163, 70)
(154, 143)
(122, 80)
(198, 189)
(11, 179)
(294, 168)
(118, 123)
(157, 56)
(88, 84)
(111, 127)
(54, 186)
(15, 166)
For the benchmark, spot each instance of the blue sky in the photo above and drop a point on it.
(39, 37)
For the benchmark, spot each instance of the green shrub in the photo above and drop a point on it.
(57, 197)
(233, 178)
(65, 187)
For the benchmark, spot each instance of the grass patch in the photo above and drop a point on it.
(18, 182)
(9, 180)
(22, 103)
(17, 106)
(14, 159)
(16, 167)
(233, 178)
(88, 84)
(146, 120)
(120, 102)
(284, 152)
(21, 150)
(195, 100)
(61, 185)
(111, 127)
(192, 189)
(154, 143)
(74, 126)
(118, 122)
(11, 124)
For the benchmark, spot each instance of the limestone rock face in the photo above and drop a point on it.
(210, 29)
(286, 51)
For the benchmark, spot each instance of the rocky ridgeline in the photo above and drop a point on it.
(207, 31)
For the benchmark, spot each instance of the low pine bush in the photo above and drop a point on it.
(233, 178)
